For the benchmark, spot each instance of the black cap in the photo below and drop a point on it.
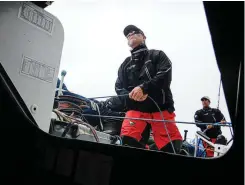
(205, 97)
(130, 28)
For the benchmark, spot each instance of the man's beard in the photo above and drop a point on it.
(131, 42)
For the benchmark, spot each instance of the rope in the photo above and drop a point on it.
(232, 135)
(69, 103)
(228, 124)
(101, 125)
(69, 119)
(157, 120)
(237, 97)
(229, 141)
(164, 124)
(219, 92)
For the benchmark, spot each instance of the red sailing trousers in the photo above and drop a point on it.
(209, 149)
(134, 128)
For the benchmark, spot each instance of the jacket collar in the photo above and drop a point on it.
(206, 109)
(138, 53)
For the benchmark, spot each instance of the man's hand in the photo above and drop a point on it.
(137, 94)
(144, 97)
(209, 126)
(223, 122)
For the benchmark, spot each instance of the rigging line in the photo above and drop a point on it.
(229, 141)
(99, 97)
(170, 140)
(219, 92)
(237, 96)
(159, 120)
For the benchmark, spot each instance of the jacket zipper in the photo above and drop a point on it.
(163, 96)
(149, 76)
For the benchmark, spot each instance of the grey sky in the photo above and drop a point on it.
(95, 46)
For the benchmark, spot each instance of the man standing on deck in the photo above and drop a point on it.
(209, 115)
(144, 75)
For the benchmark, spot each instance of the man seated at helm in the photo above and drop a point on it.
(209, 115)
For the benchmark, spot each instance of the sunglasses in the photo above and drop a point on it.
(205, 100)
(133, 33)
